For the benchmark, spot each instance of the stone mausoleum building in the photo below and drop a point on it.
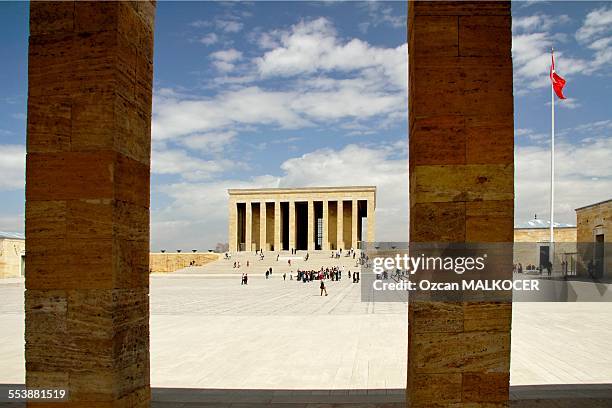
(311, 218)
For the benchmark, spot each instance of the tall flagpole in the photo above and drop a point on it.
(552, 168)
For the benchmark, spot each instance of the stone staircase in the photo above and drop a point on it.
(257, 267)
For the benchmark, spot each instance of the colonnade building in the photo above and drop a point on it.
(311, 218)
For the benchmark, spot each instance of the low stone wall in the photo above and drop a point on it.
(170, 262)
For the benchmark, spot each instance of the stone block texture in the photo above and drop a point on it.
(90, 78)
(461, 190)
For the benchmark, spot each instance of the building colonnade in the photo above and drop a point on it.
(304, 219)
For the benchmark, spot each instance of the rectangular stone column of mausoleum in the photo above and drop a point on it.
(87, 201)
(461, 190)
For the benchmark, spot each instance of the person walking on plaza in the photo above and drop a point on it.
(242, 279)
(246, 279)
(285, 276)
(323, 288)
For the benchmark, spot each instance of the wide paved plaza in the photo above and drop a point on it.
(211, 332)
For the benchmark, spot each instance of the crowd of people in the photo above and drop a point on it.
(334, 273)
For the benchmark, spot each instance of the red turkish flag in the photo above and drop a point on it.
(557, 81)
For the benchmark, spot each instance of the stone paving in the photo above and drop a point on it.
(211, 332)
(275, 334)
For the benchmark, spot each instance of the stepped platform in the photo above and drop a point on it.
(258, 267)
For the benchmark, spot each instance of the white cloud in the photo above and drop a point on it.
(229, 26)
(531, 60)
(178, 117)
(597, 22)
(567, 103)
(534, 35)
(313, 46)
(198, 207)
(200, 23)
(538, 22)
(595, 127)
(225, 60)
(209, 39)
(268, 40)
(373, 85)
(380, 13)
(179, 162)
(596, 33)
(530, 134)
(213, 142)
(175, 117)
(12, 167)
(582, 176)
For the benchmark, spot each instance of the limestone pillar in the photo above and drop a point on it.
(325, 244)
(278, 245)
(461, 190)
(262, 225)
(311, 226)
(248, 227)
(232, 235)
(87, 201)
(354, 219)
(291, 225)
(340, 225)
(371, 220)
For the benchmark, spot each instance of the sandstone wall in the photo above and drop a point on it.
(591, 221)
(163, 262)
(566, 234)
(10, 257)
(588, 218)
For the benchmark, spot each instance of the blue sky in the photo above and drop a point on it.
(297, 94)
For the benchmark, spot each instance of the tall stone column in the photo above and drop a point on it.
(311, 226)
(262, 225)
(87, 201)
(340, 225)
(371, 220)
(278, 245)
(354, 221)
(232, 235)
(248, 233)
(291, 224)
(325, 244)
(461, 190)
